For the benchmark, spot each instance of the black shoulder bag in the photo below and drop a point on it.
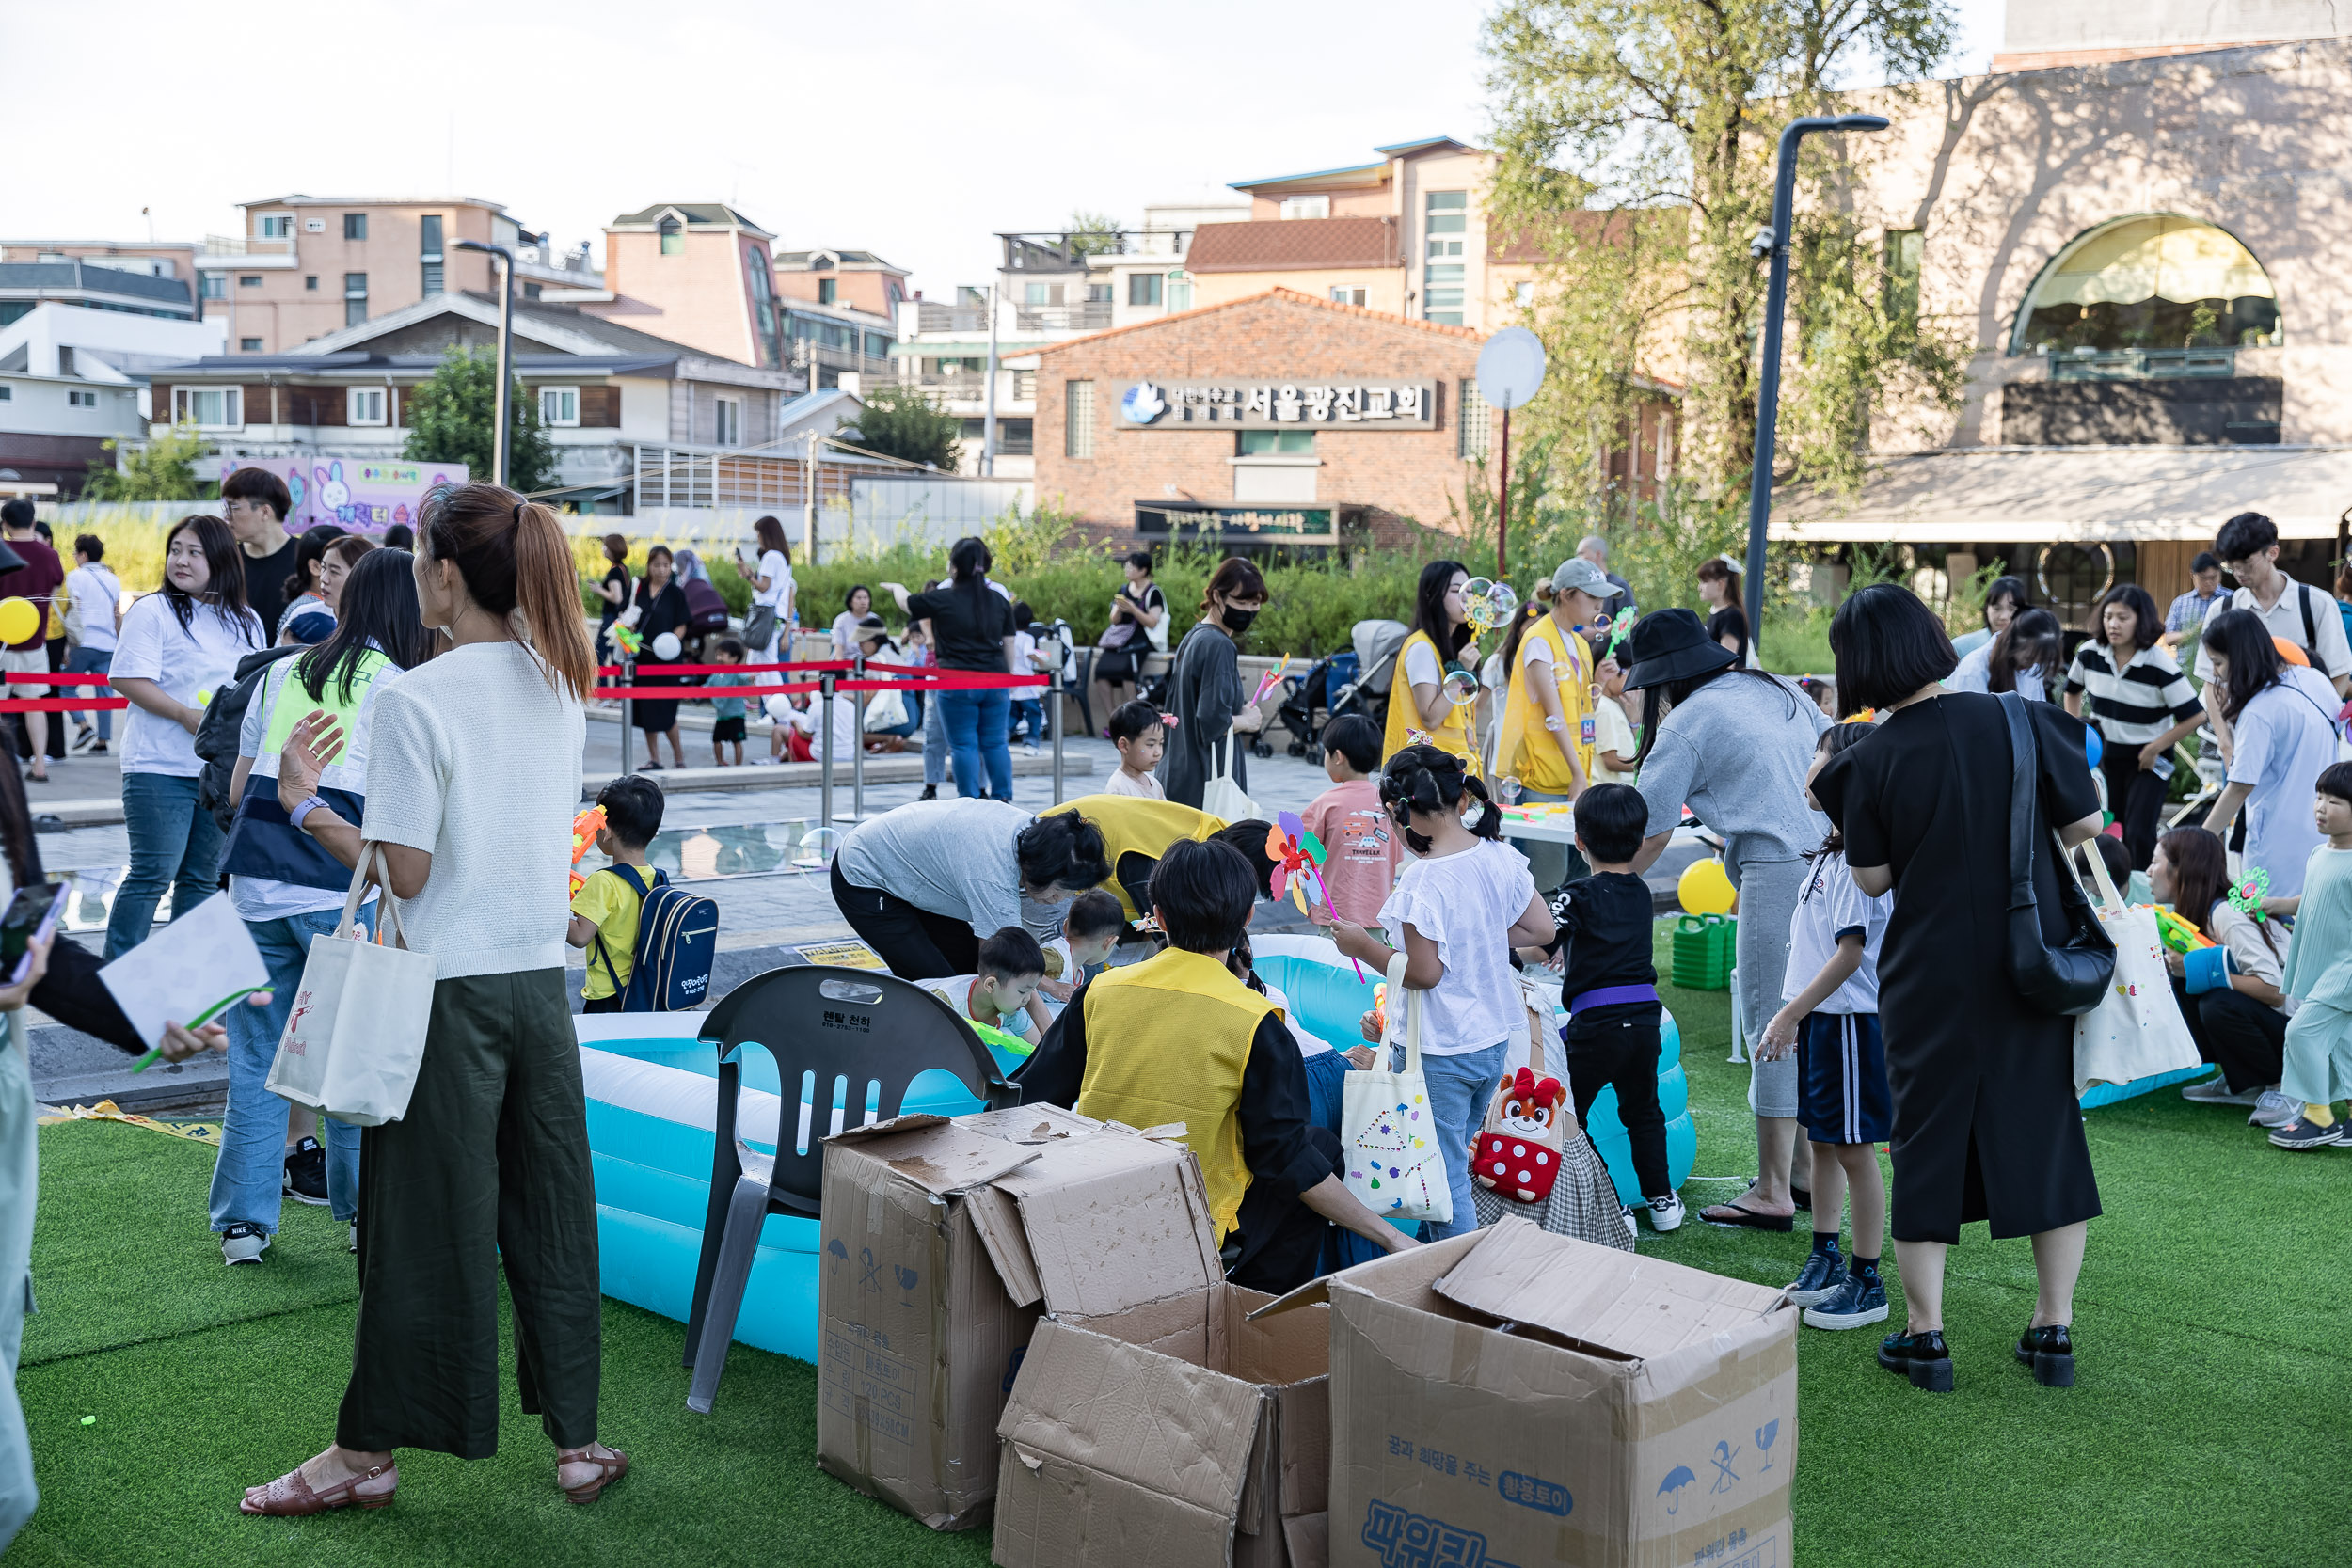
(2072, 977)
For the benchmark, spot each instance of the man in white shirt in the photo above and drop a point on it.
(2248, 547)
(94, 613)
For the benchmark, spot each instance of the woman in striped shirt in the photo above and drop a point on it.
(2139, 703)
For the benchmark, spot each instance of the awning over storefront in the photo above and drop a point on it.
(2002, 495)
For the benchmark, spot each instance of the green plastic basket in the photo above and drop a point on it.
(1703, 948)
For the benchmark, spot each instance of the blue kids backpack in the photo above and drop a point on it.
(678, 937)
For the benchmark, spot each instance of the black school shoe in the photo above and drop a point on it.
(2050, 1352)
(306, 1174)
(1922, 1357)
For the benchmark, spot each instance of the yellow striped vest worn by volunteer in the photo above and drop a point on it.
(1451, 731)
(1132, 826)
(1525, 747)
(1168, 1040)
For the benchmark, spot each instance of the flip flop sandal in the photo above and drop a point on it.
(290, 1497)
(1744, 1218)
(611, 1466)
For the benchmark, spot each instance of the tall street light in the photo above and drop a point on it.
(503, 419)
(1773, 243)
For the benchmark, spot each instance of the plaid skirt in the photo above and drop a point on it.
(1583, 1202)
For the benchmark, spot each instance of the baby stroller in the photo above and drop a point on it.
(1353, 682)
(1311, 694)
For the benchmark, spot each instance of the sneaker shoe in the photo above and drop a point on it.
(2302, 1133)
(931, 792)
(1922, 1357)
(354, 1236)
(2216, 1091)
(306, 1174)
(243, 1243)
(1632, 1231)
(1665, 1213)
(1029, 750)
(1859, 1299)
(2273, 1109)
(1823, 1274)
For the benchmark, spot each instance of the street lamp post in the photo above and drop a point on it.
(502, 420)
(1773, 243)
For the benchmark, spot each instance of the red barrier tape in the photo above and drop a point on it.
(63, 704)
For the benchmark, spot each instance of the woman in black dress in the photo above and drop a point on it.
(1986, 1123)
(614, 591)
(1204, 689)
(662, 606)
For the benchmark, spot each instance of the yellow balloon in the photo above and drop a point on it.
(1705, 889)
(19, 620)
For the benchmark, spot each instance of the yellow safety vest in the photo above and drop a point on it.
(1168, 1040)
(1450, 733)
(1134, 826)
(1524, 747)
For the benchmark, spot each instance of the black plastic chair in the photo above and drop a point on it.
(862, 1035)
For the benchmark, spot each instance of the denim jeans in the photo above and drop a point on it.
(975, 719)
(1460, 1088)
(174, 844)
(86, 660)
(1031, 711)
(248, 1175)
(935, 741)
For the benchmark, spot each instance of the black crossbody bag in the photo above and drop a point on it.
(2072, 977)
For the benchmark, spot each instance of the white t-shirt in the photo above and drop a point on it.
(845, 725)
(957, 994)
(184, 664)
(1148, 787)
(778, 592)
(1612, 732)
(1024, 660)
(1464, 903)
(1975, 675)
(260, 898)
(2285, 737)
(2329, 652)
(1829, 905)
(1421, 667)
(475, 756)
(91, 593)
(845, 635)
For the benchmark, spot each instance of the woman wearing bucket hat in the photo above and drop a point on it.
(1734, 745)
(1548, 733)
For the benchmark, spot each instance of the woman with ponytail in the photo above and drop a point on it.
(1457, 912)
(473, 776)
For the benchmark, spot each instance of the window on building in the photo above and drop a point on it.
(429, 251)
(209, 407)
(672, 237)
(1179, 291)
(1033, 294)
(1269, 443)
(559, 406)
(1077, 430)
(1903, 275)
(76, 398)
(278, 226)
(1098, 293)
(211, 285)
(355, 226)
(1349, 296)
(312, 282)
(531, 291)
(1441, 293)
(248, 345)
(1143, 288)
(827, 288)
(7, 394)
(363, 406)
(1474, 426)
(355, 298)
(2155, 281)
(1523, 296)
(1014, 437)
(759, 274)
(726, 425)
(1305, 206)
(1446, 217)
(877, 345)
(250, 280)
(1025, 385)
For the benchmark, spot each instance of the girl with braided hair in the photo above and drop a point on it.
(1455, 914)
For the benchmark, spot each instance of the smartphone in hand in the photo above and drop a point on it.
(31, 915)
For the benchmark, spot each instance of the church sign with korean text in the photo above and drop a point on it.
(1276, 404)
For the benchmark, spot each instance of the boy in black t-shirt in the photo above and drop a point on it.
(1610, 986)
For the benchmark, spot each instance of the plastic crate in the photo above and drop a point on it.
(1703, 948)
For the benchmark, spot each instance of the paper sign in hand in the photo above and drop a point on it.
(189, 973)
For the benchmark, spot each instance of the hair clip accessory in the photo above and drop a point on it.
(1867, 716)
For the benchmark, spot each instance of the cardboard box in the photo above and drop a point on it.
(1511, 1398)
(942, 1240)
(1180, 1434)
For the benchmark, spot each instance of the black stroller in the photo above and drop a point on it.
(1355, 681)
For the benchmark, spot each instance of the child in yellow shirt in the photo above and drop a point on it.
(605, 910)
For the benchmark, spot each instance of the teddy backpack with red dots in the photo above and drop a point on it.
(1518, 1151)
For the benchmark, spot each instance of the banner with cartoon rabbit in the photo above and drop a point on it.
(363, 496)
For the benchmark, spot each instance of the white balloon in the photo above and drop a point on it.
(666, 647)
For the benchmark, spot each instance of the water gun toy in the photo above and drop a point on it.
(629, 639)
(586, 827)
(2180, 934)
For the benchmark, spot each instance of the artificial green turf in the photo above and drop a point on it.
(2206, 1309)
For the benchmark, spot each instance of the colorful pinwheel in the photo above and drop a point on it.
(2248, 893)
(1298, 856)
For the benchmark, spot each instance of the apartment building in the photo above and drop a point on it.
(157, 279)
(303, 266)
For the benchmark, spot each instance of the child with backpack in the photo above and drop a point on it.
(649, 944)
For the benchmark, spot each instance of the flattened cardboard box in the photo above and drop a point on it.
(942, 1240)
(1510, 1398)
(1178, 1434)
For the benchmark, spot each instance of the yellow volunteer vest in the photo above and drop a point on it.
(1167, 1041)
(1132, 826)
(1452, 732)
(1524, 746)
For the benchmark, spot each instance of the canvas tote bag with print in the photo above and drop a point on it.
(1389, 1133)
(2137, 1030)
(1223, 798)
(355, 1034)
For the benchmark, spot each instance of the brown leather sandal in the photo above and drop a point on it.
(611, 1466)
(290, 1497)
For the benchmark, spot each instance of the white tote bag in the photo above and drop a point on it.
(1222, 798)
(356, 1036)
(1389, 1133)
(885, 710)
(2137, 1030)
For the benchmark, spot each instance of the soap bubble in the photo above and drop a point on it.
(817, 848)
(1461, 688)
(1507, 790)
(1504, 601)
(1477, 588)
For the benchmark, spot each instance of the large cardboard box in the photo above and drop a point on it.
(1180, 1434)
(942, 1240)
(1511, 1398)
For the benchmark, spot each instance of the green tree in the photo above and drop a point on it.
(1636, 140)
(900, 423)
(1092, 233)
(162, 470)
(453, 418)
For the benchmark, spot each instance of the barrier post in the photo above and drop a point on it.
(1054, 698)
(857, 757)
(824, 691)
(628, 675)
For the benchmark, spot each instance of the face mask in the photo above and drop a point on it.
(1237, 621)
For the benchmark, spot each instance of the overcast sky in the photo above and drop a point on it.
(916, 129)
